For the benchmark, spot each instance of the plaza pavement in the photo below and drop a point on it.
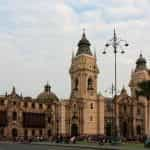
(78, 146)
(81, 146)
(50, 146)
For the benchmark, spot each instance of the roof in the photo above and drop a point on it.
(47, 96)
(141, 60)
(84, 46)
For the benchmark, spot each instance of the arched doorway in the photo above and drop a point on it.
(25, 134)
(74, 130)
(1, 132)
(138, 130)
(49, 133)
(14, 133)
(124, 129)
(108, 129)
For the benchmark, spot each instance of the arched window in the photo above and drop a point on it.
(14, 116)
(2, 102)
(33, 132)
(91, 105)
(33, 105)
(14, 103)
(76, 84)
(49, 119)
(40, 106)
(25, 104)
(90, 84)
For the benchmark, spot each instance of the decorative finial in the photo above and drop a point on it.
(141, 53)
(13, 90)
(47, 87)
(115, 36)
(6, 93)
(83, 35)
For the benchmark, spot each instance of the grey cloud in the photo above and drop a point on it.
(37, 44)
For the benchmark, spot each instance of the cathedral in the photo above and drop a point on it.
(85, 112)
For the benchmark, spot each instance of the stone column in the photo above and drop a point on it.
(148, 117)
(117, 128)
(145, 117)
(134, 119)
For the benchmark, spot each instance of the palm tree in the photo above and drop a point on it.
(144, 89)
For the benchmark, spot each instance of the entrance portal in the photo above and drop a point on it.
(49, 133)
(108, 129)
(124, 129)
(14, 133)
(138, 130)
(74, 130)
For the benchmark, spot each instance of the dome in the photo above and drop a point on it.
(84, 46)
(141, 60)
(47, 95)
(141, 63)
(84, 41)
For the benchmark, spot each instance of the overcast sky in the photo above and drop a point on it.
(37, 38)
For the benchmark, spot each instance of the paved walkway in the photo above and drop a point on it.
(81, 146)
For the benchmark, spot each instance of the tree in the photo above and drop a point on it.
(144, 89)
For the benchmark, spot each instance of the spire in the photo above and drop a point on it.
(47, 87)
(115, 36)
(6, 94)
(84, 33)
(141, 63)
(123, 90)
(83, 45)
(13, 91)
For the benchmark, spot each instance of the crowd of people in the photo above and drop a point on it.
(66, 139)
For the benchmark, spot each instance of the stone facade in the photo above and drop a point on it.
(85, 112)
(132, 113)
(27, 117)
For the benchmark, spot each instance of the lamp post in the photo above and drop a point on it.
(117, 45)
(111, 91)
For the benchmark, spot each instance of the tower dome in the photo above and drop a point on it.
(84, 46)
(47, 96)
(141, 62)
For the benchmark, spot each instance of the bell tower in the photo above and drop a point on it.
(84, 71)
(139, 74)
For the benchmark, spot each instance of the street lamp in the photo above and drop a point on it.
(117, 44)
